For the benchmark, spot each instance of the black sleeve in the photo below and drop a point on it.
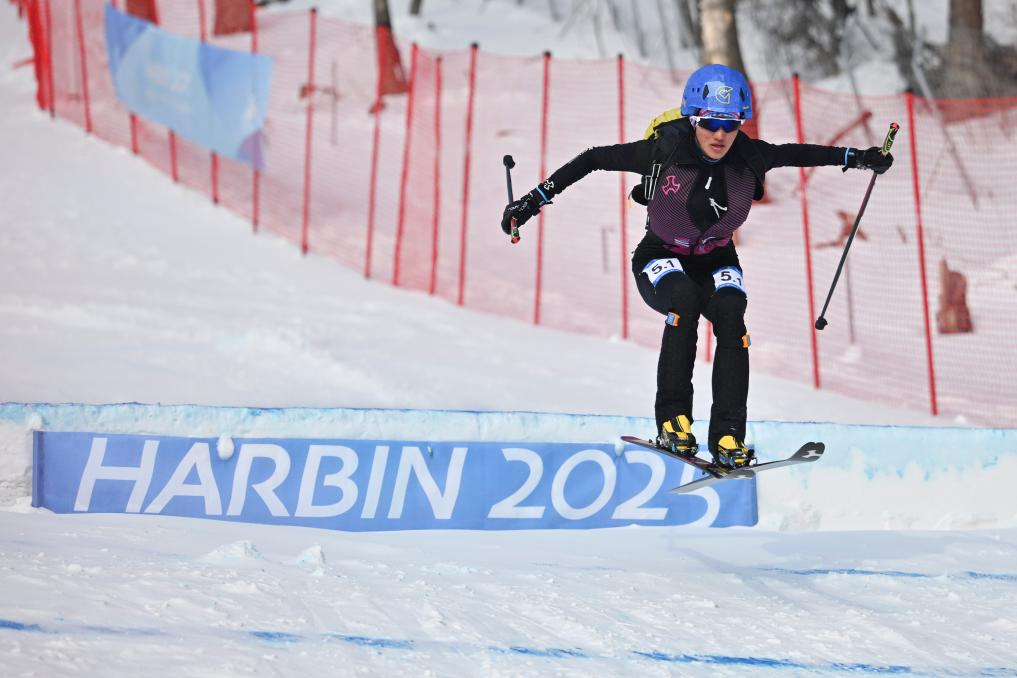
(631, 157)
(799, 155)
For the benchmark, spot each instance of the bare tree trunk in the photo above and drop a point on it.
(415, 6)
(720, 33)
(612, 7)
(966, 73)
(666, 34)
(640, 34)
(382, 17)
(685, 13)
(720, 43)
(556, 14)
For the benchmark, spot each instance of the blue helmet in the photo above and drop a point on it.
(717, 88)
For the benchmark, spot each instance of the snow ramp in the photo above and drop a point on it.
(378, 469)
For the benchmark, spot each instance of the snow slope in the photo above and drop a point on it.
(116, 286)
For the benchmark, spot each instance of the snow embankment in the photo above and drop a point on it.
(872, 477)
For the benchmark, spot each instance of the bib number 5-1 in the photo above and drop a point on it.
(729, 276)
(658, 268)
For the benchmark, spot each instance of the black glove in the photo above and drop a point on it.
(869, 159)
(521, 210)
(638, 194)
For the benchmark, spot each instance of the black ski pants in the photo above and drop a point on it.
(688, 289)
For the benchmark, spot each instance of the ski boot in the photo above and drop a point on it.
(676, 436)
(731, 453)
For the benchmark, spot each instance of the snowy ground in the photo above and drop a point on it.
(116, 595)
(117, 286)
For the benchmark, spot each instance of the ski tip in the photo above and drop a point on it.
(810, 452)
(706, 481)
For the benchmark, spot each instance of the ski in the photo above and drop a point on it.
(807, 453)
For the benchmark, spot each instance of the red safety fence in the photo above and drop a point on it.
(409, 190)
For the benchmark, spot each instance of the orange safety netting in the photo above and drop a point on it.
(410, 191)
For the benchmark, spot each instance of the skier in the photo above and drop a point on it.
(700, 176)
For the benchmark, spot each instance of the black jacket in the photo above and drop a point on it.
(675, 144)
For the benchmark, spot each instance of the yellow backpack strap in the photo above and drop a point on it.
(650, 180)
(666, 116)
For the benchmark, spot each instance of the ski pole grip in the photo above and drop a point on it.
(509, 164)
(891, 134)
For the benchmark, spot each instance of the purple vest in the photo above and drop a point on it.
(668, 214)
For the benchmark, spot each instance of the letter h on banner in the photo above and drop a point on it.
(95, 470)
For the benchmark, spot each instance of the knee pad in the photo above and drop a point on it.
(684, 296)
(684, 306)
(675, 294)
(726, 311)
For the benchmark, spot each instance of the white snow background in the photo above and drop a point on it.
(895, 554)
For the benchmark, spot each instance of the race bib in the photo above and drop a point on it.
(658, 268)
(729, 276)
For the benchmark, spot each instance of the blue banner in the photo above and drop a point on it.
(211, 96)
(362, 485)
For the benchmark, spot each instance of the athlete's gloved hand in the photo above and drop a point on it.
(521, 210)
(869, 159)
(638, 194)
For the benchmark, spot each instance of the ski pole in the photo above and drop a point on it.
(885, 150)
(509, 164)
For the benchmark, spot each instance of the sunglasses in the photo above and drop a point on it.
(714, 124)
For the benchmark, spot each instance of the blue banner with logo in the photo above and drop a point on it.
(211, 96)
(361, 485)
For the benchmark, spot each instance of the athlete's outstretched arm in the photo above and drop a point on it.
(631, 157)
(813, 155)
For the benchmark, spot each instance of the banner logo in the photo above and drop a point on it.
(671, 185)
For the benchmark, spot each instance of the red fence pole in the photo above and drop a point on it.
(543, 171)
(624, 202)
(404, 177)
(135, 149)
(131, 117)
(802, 180)
(215, 178)
(373, 191)
(202, 19)
(49, 59)
(916, 188)
(466, 173)
(174, 166)
(256, 176)
(309, 131)
(436, 200)
(80, 30)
